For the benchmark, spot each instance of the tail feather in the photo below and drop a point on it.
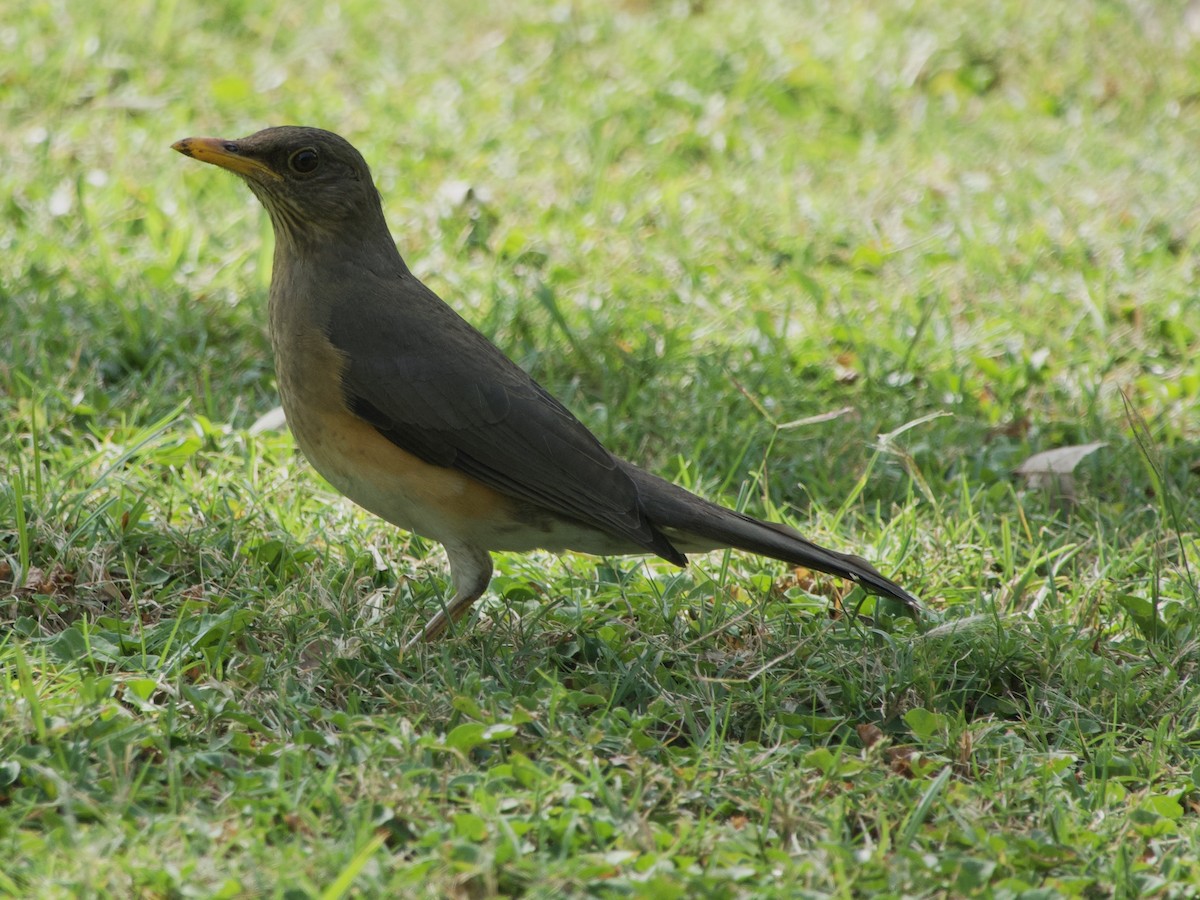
(694, 524)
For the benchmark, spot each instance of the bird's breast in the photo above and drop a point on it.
(356, 459)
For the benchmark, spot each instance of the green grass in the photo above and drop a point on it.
(970, 227)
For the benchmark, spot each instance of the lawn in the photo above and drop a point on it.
(843, 264)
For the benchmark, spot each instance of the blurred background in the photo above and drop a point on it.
(849, 264)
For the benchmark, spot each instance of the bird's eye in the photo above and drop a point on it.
(304, 161)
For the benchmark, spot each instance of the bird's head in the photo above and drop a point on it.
(312, 182)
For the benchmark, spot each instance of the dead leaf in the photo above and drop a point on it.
(1017, 428)
(869, 734)
(845, 375)
(901, 759)
(817, 419)
(1054, 470)
(56, 582)
(110, 589)
(966, 748)
(271, 420)
(1059, 461)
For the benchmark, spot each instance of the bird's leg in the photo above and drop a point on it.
(470, 572)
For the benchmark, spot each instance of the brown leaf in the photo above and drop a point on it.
(869, 734)
(900, 759)
(966, 748)
(56, 582)
(1017, 428)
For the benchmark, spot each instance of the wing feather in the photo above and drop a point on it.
(437, 388)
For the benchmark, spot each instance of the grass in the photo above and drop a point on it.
(971, 229)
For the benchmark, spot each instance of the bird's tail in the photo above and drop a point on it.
(694, 525)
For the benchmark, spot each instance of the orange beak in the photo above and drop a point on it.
(225, 154)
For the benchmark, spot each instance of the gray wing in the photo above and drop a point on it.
(437, 388)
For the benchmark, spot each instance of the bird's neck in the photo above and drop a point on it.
(312, 275)
(364, 237)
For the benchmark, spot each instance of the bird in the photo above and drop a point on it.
(409, 411)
